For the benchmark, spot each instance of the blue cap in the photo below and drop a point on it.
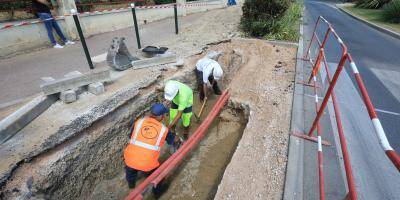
(158, 109)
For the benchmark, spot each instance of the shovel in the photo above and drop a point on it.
(201, 110)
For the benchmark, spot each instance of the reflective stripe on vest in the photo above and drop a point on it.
(156, 147)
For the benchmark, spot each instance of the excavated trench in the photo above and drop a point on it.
(199, 174)
(90, 165)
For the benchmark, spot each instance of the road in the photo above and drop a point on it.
(378, 60)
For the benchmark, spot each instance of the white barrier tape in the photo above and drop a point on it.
(319, 144)
(316, 98)
(354, 67)
(340, 40)
(115, 10)
(381, 134)
(325, 20)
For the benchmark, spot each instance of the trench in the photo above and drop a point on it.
(198, 176)
(90, 165)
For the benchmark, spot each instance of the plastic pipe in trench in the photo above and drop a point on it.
(172, 162)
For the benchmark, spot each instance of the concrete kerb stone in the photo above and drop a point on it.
(372, 25)
(96, 88)
(158, 60)
(294, 170)
(23, 116)
(76, 81)
(68, 96)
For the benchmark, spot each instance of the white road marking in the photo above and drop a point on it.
(99, 58)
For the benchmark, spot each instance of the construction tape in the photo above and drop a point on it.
(115, 10)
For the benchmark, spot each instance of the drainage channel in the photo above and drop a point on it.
(201, 172)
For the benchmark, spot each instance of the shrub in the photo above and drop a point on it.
(259, 16)
(287, 28)
(391, 11)
(372, 4)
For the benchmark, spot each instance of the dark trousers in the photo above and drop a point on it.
(50, 24)
(199, 77)
(131, 176)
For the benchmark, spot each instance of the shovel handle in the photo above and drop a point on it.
(202, 108)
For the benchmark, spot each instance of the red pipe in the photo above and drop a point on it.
(136, 193)
(199, 135)
(193, 139)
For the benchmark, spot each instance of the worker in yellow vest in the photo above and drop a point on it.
(147, 138)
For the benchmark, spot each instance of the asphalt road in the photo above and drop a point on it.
(378, 59)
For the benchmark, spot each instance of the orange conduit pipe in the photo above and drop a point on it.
(171, 163)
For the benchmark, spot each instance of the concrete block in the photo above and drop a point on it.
(47, 79)
(77, 81)
(68, 96)
(96, 88)
(158, 60)
(73, 74)
(10, 125)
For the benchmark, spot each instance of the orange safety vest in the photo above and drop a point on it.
(143, 150)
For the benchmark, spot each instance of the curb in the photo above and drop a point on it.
(370, 24)
(10, 125)
(293, 188)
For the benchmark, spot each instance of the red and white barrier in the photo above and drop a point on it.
(330, 93)
(379, 131)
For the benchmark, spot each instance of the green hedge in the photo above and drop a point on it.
(260, 16)
(391, 11)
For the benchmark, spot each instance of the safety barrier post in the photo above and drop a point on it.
(82, 38)
(136, 25)
(316, 65)
(346, 158)
(176, 18)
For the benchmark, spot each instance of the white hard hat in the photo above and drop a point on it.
(170, 90)
(217, 72)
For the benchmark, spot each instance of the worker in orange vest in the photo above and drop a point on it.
(147, 138)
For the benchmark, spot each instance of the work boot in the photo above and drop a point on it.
(216, 89)
(160, 189)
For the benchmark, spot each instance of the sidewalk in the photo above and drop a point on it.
(20, 77)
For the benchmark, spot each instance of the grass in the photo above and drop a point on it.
(372, 15)
(287, 28)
